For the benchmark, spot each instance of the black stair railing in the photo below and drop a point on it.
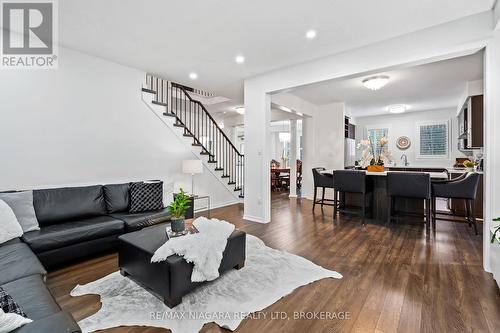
(198, 123)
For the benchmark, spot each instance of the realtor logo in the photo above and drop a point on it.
(29, 34)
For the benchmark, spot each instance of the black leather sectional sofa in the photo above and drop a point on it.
(23, 277)
(75, 222)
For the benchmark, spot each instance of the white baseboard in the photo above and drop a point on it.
(253, 218)
(220, 205)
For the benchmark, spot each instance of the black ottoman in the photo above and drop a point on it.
(169, 279)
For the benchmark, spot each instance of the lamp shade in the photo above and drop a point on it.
(192, 166)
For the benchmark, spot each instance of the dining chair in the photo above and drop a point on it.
(350, 181)
(322, 181)
(410, 185)
(299, 173)
(461, 188)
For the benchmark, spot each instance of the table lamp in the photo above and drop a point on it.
(192, 167)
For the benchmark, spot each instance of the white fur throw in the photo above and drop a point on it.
(203, 249)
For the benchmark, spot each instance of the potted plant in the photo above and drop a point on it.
(469, 165)
(178, 208)
(495, 230)
(373, 157)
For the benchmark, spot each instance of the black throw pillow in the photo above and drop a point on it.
(146, 196)
(8, 304)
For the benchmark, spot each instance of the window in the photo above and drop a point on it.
(375, 134)
(433, 139)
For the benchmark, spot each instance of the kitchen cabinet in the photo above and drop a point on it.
(471, 124)
(349, 129)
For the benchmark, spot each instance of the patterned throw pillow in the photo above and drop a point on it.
(146, 196)
(8, 304)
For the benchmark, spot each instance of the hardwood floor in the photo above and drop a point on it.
(396, 278)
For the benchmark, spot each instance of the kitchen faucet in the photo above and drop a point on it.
(405, 158)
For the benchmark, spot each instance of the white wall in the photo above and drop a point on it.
(85, 123)
(329, 132)
(406, 125)
(323, 136)
(492, 153)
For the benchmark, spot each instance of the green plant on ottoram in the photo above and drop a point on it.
(497, 230)
(180, 204)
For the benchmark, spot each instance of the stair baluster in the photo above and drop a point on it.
(197, 123)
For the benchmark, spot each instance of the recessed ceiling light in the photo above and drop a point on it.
(239, 59)
(311, 34)
(221, 125)
(240, 109)
(397, 108)
(193, 76)
(376, 82)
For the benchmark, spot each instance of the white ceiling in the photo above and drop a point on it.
(173, 38)
(431, 86)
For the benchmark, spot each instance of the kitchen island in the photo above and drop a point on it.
(379, 200)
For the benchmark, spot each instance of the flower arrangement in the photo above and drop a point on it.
(374, 154)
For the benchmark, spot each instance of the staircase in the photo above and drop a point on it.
(190, 118)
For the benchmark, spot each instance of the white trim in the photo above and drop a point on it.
(253, 219)
(417, 141)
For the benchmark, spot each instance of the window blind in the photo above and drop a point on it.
(434, 139)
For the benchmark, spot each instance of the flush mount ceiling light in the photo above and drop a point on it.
(240, 109)
(397, 108)
(193, 76)
(375, 82)
(311, 34)
(239, 59)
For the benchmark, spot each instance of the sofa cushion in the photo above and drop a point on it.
(117, 197)
(12, 241)
(58, 322)
(17, 261)
(136, 221)
(22, 205)
(69, 203)
(146, 196)
(32, 296)
(9, 225)
(63, 234)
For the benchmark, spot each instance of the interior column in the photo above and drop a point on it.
(293, 158)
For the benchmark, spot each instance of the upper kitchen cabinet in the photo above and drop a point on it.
(470, 124)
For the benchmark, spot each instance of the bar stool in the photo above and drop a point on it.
(465, 188)
(350, 181)
(413, 185)
(322, 181)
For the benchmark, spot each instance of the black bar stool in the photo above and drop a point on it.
(350, 181)
(465, 188)
(322, 181)
(413, 185)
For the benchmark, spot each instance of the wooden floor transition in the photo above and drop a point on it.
(396, 278)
